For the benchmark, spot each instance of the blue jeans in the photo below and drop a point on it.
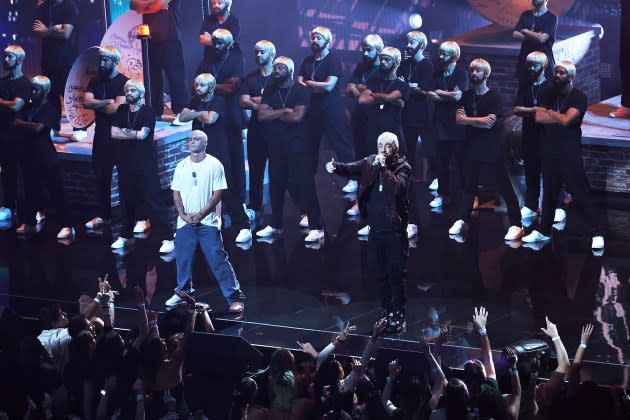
(188, 236)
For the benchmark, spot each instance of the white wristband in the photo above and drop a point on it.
(482, 331)
(556, 338)
(582, 345)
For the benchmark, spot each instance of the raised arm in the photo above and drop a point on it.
(435, 373)
(344, 169)
(320, 357)
(574, 370)
(480, 319)
(513, 399)
(143, 322)
(386, 395)
(555, 383)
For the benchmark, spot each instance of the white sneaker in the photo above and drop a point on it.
(142, 226)
(457, 227)
(40, 216)
(66, 233)
(598, 242)
(434, 185)
(79, 135)
(167, 246)
(354, 210)
(412, 230)
(121, 243)
(95, 223)
(436, 202)
(5, 213)
(527, 213)
(351, 186)
(177, 122)
(535, 236)
(559, 216)
(268, 231)
(303, 222)
(174, 300)
(513, 233)
(459, 238)
(244, 235)
(560, 225)
(25, 229)
(364, 231)
(314, 235)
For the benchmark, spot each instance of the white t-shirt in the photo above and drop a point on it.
(196, 182)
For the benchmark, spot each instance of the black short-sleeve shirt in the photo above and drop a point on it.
(110, 88)
(283, 134)
(223, 69)
(385, 117)
(59, 53)
(165, 24)
(254, 85)
(319, 71)
(528, 96)
(363, 72)
(211, 24)
(40, 144)
(546, 23)
(564, 142)
(217, 135)
(445, 112)
(144, 117)
(418, 110)
(10, 89)
(483, 144)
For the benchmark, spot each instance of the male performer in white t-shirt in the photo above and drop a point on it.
(198, 183)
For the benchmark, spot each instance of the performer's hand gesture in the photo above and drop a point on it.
(379, 160)
(330, 166)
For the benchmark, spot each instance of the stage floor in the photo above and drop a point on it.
(301, 293)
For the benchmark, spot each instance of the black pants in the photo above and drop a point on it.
(496, 172)
(39, 179)
(358, 120)
(533, 170)
(427, 150)
(138, 180)
(332, 125)
(103, 160)
(9, 157)
(257, 154)
(445, 151)
(167, 57)
(387, 263)
(570, 172)
(624, 57)
(292, 172)
(58, 77)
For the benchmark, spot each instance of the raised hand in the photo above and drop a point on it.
(378, 328)
(357, 366)
(394, 369)
(480, 317)
(511, 357)
(445, 335)
(349, 328)
(152, 316)
(308, 349)
(551, 330)
(587, 330)
(189, 299)
(330, 166)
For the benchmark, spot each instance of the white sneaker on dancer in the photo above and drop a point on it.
(436, 202)
(412, 230)
(527, 213)
(244, 235)
(351, 187)
(457, 228)
(314, 235)
(142, 226)
(434, 185)
(268, 231)
(513, 233)
(303, 222)
(535, 236)
(364, 231)
(559, 216)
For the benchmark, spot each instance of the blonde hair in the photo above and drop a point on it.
(375, 41)
(265, 45)
(206, 79)
(223, 35)
(110, 52)
(17, 51)
(388, 138)
(480, 62)
(452, 48)
(394, 53)
(538, 57)
(137, 84)
(287, 62)
(199, 133)
(323, 31)
(569, 67)
(418, 36)
(42, 82)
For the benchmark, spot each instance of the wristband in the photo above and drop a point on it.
(482, 331)
(556, 338)
(140, 397)
(97, 300)
(103, 392)
(582, 345)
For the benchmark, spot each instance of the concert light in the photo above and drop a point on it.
(415, 21)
